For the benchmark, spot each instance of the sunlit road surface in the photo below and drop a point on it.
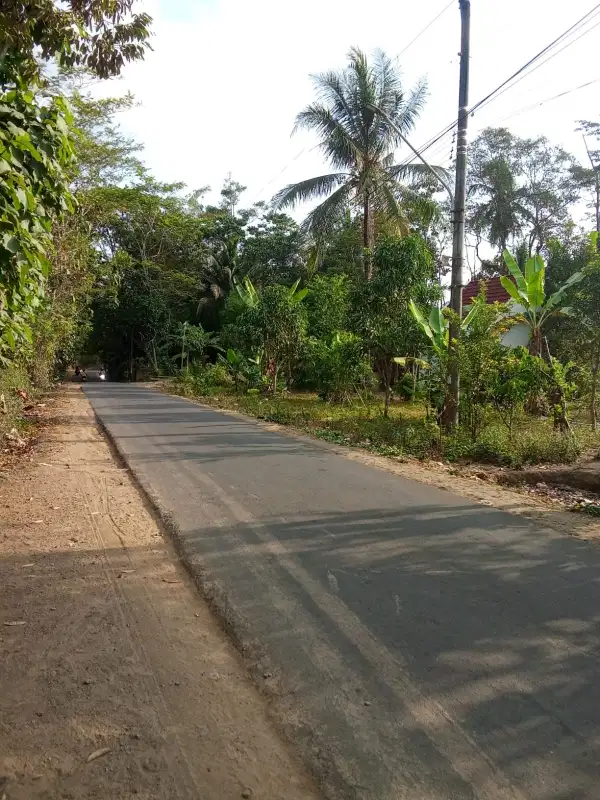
(416, 645)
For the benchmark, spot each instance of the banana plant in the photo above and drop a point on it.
(527, 290)
(297, 295)
(235, 363)
(437, 327)
(247, 293)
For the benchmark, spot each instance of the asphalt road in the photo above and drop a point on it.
(417, 645)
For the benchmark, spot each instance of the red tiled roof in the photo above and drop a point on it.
(496, 293)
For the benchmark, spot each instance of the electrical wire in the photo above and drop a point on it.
(522, 71)
(426, 28)
(281, 171)
(576, 26)
(547, 100)
(410, 44)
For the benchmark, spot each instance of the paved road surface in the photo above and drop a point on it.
(420, 646)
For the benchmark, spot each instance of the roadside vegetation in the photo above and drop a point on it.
(338, 325)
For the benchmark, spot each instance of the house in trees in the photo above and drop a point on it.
(518, 335)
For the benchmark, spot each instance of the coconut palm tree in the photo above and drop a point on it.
(360, 144)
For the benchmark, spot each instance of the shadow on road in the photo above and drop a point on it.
(423, 641)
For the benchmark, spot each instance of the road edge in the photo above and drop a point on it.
(330, 781)
(513, 501)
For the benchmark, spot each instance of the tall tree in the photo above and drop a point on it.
(519, 189)
(359, 144)
(101, 35)
(495, 208)
(589, 177)
(36, 155)
(380, 307)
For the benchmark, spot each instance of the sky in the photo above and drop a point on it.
(219, 92)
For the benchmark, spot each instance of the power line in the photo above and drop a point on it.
(505, 84)
(550, 57)
(426, 28)
(548, 100)
(281, 171)
(535, 58)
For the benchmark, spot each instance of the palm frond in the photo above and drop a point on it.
(416, 173)
(336, 142)
(414, 105)
(420, 209)
(309, 189)
(387, 202)
(332, 90)
(326, 216)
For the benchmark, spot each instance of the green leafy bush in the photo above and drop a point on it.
(203, 381)
(12, 378)
(495, 446)
(340, 369)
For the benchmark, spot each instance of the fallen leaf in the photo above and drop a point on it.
(28, 565)
(97, 754)
(14, 624)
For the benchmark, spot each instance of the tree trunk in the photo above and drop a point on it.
(388, 397)
(368, 236)
(535, 345)
(559, 410)
(595, 371)
(131, 378)
(274, 378)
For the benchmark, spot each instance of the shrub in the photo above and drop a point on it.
(340, 369)
(204, 380)
(495, 446)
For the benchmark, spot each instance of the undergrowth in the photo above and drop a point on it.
(406, 432)
(11, 407)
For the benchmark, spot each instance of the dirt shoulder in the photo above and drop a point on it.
(116, 680)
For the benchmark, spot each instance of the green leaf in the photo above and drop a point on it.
(511, 288)
(420, 318)
(410, 360)
(22, 195)
(473, 312)
(436, 321)
(532, 266)
(45, 266)
(535, 288)
(558, 296)
(11, 243)
(515, 271)
(10, 338)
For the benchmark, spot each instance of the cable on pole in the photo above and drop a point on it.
(508, 83)
(426, 28)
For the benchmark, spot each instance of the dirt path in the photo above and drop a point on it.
(116, 681)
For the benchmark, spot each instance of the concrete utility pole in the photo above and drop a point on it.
(450, 416)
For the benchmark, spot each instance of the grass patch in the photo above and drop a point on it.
(406, 432)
